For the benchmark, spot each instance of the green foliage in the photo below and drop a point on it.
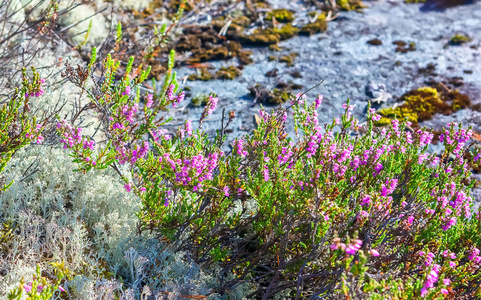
(40, 289)
(18, 128)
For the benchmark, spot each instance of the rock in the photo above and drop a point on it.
(377, 93)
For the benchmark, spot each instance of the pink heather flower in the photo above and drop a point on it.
(127, 91)
(376, 117)
(188, 127)
(349, 108)
(319, 100)
(404, 203)
(40, 139)
(410, 219)
(240, 147)
(446, 281)
(366, 199)
(166, 203)
(150, 100)
(266, 174)
(298, 98)
(128, 187)
(452, 264)
(374, 252)
(444, 291)
(118, 126)
(378, 167)
(89, 145)
(226, 191)
(180, 97)
(170, 92)
(28, 287)
(212, 104)
(422, 158)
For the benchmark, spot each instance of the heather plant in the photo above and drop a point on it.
(340, 210)
(40, 288)
(19, 128)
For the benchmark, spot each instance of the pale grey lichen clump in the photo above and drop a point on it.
(88, 221)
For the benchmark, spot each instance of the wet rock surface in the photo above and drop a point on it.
(347, 63)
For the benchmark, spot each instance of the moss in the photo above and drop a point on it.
(200, 100)
(279, 96)
(274, 97)
(270, 36)
(320, 25)
(274, 47)
(242, 21)
(203, 74)
(459, 101)
(459, 39)
(289, 59)
(403, 47)
(281, 15)
(245, 57)
(421, 104)
(287, 31)
(228, 73)
(228, 50)
(261, 37)
(375, 42)
(347, 5)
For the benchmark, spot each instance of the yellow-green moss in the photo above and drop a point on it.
(320, 25)
(289, 59)
(459, 39)
(270, 36)
(279, 96)
(349, 4)
(203, 74)
(421, 104)
(245, 57)
(228, 73)
(274, 47)
(281, 15)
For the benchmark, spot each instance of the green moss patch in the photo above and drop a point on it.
(270, 36)
(281, 15)
(459, 39)
(347, 5)
(228, 73)
(320, 25)
(280, 94)
(421, 104)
